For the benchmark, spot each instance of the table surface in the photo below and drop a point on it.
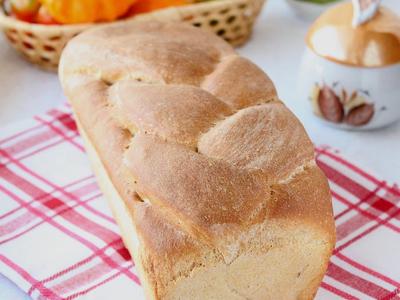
(276, 46)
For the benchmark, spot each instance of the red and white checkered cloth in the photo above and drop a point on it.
(59, 241)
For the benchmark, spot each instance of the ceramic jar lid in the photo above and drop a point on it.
(375, 43)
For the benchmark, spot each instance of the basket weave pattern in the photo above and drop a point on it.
(42, 44)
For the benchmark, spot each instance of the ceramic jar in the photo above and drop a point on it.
(351, 75)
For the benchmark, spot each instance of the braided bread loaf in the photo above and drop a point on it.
(211, 178)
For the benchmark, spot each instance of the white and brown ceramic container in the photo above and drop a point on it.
(351, 74)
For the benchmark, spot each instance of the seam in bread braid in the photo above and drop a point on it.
(267, 101)
(298, 171)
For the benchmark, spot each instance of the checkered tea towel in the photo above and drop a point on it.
(59, 241)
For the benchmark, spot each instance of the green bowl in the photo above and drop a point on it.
(310, 9)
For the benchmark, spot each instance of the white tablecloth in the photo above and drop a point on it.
(276, 46)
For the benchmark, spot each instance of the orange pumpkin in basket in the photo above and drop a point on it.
(143, 6)
(86, 11)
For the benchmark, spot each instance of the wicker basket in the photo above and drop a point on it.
(42, 44)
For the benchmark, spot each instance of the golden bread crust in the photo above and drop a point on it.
(215, 174)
